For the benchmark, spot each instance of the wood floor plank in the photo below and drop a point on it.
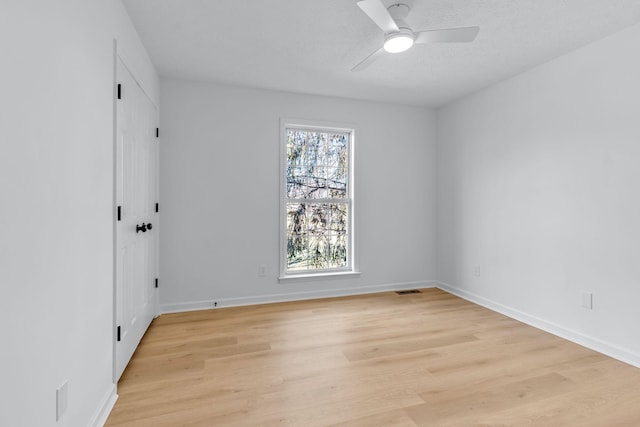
(462, 406)
(424, 359)
(395, 418)
(374, 350)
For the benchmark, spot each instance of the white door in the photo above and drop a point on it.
(136, 216)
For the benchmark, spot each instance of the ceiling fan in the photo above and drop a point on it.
(398, 36)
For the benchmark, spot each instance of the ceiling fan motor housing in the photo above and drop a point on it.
(399, 11)
(399, 41)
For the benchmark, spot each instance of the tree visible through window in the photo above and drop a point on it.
(317, 201)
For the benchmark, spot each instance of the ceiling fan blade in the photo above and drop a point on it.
(368, 60)
(450, 35)
(378, 14)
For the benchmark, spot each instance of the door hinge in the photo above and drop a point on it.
(118, 333)
(156, 283)
(157, 207)
(119, 213)
(157, 132)
(119, 91)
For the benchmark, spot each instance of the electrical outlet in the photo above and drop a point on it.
(262, 270)
(586, 300)
(476, 270)
(62, 400)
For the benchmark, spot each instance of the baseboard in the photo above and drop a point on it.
(619, 353)
(109, 400)
(293, 296)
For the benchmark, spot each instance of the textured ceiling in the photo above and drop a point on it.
(310, 46)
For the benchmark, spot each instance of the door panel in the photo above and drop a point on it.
(136, 192)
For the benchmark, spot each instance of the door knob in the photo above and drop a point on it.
(149, 226)
(140, 228)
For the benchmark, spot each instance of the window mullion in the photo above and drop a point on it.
(345, 200)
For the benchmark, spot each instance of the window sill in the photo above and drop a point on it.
(319, 276)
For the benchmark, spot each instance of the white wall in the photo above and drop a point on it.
(220, 200)
(56, 205)
(539, 184)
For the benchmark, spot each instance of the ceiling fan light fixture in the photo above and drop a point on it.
(398, 42)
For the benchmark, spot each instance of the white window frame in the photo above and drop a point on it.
(350, 269)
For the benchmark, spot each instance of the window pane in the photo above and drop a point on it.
(321, 149)
(316, 165)
(317, 184)
(312, 142)
(295, 187)
(336, 183)
(318, 248)
(297, 240)
(296, 148)
(339, 218)
(317, 218)
(337, 251)
(296, 218)
(337, 151)
(316, 236)
(317, 189)
(297, 252)
(338, 239)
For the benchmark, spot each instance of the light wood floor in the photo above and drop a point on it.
(428, 359)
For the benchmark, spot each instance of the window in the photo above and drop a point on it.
(317, 199)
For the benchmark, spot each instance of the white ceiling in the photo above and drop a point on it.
(310, 46)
